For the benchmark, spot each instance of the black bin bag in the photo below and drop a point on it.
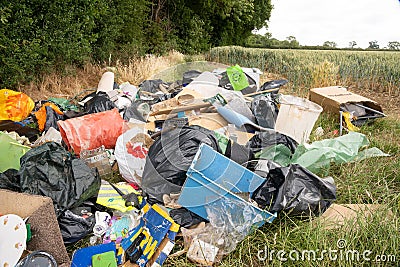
(99, 102)
(295, 190)
(49, 170)
(170, 157)
(269, 138)
(9, 179)
(74, 226)
(265, 110)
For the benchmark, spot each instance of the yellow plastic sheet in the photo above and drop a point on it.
(110, 198)
(14, 106)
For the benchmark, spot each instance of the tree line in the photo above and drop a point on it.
(266, 41)
(38, 36)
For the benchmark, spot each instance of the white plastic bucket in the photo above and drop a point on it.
(296, 117)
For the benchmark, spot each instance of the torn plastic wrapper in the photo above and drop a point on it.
(92, 131)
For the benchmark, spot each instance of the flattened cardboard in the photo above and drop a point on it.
(330, 98)
(337, 215)
(211, 121)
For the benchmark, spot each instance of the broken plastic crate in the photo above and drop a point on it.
(213, 177)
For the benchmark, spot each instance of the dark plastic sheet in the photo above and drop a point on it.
(295, 190)
(49, 170)
(170, 157)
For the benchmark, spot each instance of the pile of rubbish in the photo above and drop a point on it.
(205, 159)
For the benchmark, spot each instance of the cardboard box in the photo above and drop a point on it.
(46, 233)
(330, 98)
(337, 215)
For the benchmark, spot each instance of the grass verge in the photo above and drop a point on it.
(301, 241)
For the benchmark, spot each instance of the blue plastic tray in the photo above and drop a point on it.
(212, 177)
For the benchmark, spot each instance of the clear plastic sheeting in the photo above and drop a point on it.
(233, 220)
(229, 224)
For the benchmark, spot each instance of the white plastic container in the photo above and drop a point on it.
(296, 117)
(106, 83)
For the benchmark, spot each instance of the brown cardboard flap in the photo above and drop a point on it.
(330, 98)
(211, 121)
(337, 215)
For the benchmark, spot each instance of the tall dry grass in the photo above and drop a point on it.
(75, 80)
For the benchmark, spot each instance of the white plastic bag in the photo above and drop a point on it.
(130, 152)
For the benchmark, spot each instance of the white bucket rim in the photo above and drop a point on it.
(310, 106)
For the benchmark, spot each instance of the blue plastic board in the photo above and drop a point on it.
(83, 256)
(212, 177)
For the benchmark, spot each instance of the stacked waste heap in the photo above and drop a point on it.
(210, 157)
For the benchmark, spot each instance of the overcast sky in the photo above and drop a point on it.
(313, 22)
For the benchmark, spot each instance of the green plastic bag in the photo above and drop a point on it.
(64, 104)
(237, 78)
(279, 154)
(317, 157)
(11, 152)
